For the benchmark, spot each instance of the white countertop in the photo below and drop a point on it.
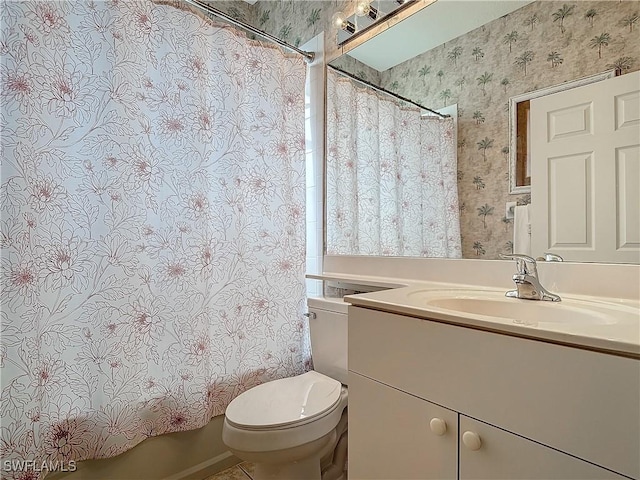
(407, 297)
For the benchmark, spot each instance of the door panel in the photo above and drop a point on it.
(570, 179)
(628, 179)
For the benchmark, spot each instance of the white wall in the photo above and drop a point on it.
(314, 149)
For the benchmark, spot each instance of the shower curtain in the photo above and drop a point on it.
(153, 212)
(391, 176)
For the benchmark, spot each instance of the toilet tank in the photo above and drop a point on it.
(328, 330)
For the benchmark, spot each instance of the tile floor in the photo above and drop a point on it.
(242, 471)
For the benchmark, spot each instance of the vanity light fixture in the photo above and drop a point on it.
(340, 21)
(366, 15)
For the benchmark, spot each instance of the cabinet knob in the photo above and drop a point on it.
(438, 426)
(471, 440)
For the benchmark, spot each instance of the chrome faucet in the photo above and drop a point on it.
(527, 281)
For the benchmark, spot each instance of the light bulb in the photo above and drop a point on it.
(338, 19)
(362, 8)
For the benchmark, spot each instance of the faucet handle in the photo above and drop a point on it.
(552, 257)
(521, 262)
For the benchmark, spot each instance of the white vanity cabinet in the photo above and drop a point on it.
(539, 410)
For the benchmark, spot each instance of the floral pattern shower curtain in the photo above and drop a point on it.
(153, 243)
(391, 176)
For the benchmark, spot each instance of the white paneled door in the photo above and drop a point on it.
(585, 184)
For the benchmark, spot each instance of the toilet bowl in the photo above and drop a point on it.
(287, 427)
(296, 428)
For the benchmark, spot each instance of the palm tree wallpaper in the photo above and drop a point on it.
(542, 44)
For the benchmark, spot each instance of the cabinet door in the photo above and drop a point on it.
(487, 452)
(391, 434)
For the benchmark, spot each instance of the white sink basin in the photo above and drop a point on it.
(606, 324)
(527, 313)
(532, 313)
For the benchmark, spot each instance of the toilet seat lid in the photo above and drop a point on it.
(284, 402)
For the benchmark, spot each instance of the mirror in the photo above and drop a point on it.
(534, 46)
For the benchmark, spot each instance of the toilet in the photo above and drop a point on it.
(296, 428)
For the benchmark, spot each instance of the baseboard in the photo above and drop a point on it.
(207, 468)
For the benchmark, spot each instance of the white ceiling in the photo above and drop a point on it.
(434, 25)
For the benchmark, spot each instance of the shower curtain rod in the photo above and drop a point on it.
(380, 89)
(205, 7)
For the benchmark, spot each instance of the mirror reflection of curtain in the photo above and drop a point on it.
(391, 176)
